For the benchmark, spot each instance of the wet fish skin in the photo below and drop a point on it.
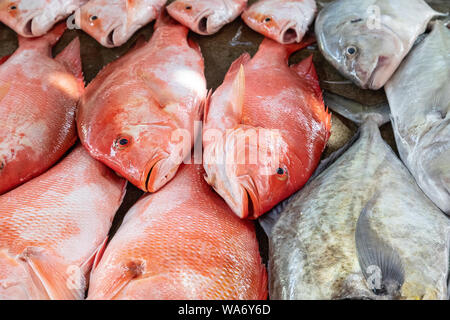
(283, 21)
(38, 100)
(132, 113)
(367, 40)
(422, 121)
(34, 18)
(182, 242)
(206, 17)
(314, 250)
(265, 95)
(113, 22)
(53, 227)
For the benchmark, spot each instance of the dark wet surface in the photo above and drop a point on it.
(219, 51)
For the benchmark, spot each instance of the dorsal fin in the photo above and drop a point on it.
(71, 59)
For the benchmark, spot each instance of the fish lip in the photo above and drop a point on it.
(284, 36)
(370, 82)
(201, 22)
(149, 172)
(250, 204)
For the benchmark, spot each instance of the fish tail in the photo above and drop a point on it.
(286, 50)
(50, 39)
(357, 112)
(164, 20)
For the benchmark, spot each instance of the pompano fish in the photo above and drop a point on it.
(53, 228)
(366, 40)
(419, 96)
(279, 112)
(34, 18)
(38, 100)
(113, 22)
(283, 21)
(138, 115)
(206, 16)
(362, 229)
(182, 242)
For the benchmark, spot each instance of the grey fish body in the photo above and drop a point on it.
(419, 96)
(364, 206)
(366, 40)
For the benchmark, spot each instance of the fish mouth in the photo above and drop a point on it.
(109, 40)
(290, 36)
(202, 23)
(250, 208)
(27, 29)
(373, 83)
(159, 171)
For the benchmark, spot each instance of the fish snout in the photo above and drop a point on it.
(159, 171)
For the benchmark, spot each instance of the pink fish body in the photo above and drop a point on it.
(182, 242)
(38, 99)
(285, 21)
(206, 16)
(113, 22)
(52, 228)
(138, 115)
(34, 18)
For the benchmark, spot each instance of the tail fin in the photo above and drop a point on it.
(285, 50)
(357, 112)
(164, 20)
(48, 40)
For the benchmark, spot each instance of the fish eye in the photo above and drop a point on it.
(282, 174)
(93, 18)
(188, 7)
(13, 7)
(268, 19)
(2, 165)
(122, 142)
(351, 50)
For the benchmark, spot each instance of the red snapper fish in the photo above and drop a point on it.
(182, 242)
(265, 129)
(34, 18)
(284, 21)
(138, 115)
(113, 22)
(53, 227)
(38, 100)
(206, 17)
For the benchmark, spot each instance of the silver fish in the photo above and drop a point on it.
(362, 229)
(421, 122)
(366, 40)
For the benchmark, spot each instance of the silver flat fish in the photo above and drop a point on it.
(419, 96)
(362, 229)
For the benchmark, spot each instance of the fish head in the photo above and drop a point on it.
(107, 22)
(29, 18)
(144, 152)
(256, 171)
(196, 15)
(280, 21)
(364, 53)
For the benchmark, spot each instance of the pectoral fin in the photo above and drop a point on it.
(60, 282)
(380, 264)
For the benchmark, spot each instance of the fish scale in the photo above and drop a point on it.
(48, 226)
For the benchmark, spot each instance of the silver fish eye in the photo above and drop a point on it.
(351, 50)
